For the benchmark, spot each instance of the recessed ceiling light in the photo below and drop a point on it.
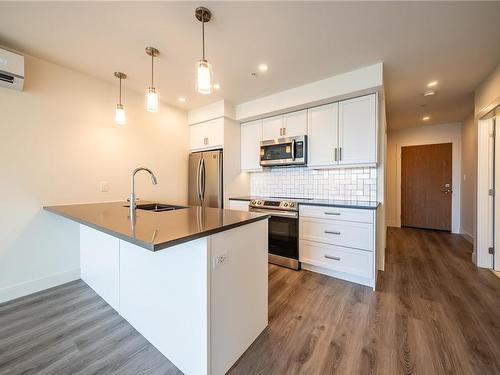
(429, 93)
(432, 83)
(425, 118)
(182, 99)
(263, 67)
(216, 86)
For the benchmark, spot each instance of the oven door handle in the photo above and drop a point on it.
(293, 215)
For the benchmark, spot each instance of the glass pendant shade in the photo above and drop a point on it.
(120, 117)
(152, 99)
(204, 77)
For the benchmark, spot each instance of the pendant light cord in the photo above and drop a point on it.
(120, 91)
(203, 32)
(152, 76)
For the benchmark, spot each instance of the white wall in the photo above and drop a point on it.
(487, 95)
(420, 136)
(57, 142)
(468, 177)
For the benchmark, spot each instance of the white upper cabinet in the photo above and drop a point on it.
(322, 139)
(287, 125)
(358, 130)
(272, 127)
(251, 135)
(295, 124)
(207, 135)
(339, 134)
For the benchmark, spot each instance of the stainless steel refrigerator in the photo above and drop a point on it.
(205, 179)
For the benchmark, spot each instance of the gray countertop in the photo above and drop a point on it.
(366, 205)
(155, 230)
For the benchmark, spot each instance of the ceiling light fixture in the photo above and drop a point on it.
(204, 73)
(432, 83)
(182, 99)
(120, 117)
(429, 93)
(152, 96)
(425, 118)
(263, 67)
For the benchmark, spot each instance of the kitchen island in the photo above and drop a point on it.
(192, 281)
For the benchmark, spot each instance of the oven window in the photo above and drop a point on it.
(283, 237)
(276, 152)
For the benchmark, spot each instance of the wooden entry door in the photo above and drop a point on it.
(426, 189)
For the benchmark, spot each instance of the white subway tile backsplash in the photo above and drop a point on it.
(341, 184)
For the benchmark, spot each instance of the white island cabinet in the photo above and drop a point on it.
(201, 303)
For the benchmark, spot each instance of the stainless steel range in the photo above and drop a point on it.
(283, 230)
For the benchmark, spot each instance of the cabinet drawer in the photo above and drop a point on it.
(342, 233)
(337, 213)
(352, 261)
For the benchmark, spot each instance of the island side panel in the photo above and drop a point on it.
(238, 292)
(164, 295)
(99, 264)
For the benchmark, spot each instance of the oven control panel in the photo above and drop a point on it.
(273, 204)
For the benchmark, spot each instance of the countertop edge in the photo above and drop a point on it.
(321, 204)
(208, 232)
(159, 246)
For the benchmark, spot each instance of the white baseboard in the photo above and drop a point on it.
(390, 223)
(33, 286)
(469, 237)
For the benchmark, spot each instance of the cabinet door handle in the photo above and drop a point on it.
(281, 131)
(331, 232)
(205, 141)
(336, 159)
(331, 257)
(340, 153)
(332, 213)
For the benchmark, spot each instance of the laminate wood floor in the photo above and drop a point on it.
(434, 313)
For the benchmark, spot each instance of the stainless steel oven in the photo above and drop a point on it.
(284, 151)
(283, 231)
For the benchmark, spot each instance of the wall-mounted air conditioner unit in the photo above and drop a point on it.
(11, 70)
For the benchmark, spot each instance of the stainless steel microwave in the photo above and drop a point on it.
(284, 151)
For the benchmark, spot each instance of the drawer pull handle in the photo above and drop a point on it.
(331, 232)
(332, 213)
(331, 257)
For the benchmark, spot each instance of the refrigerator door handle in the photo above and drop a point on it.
(203, 180)
(198, 180)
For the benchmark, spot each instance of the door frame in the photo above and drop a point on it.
(455, 172)
(484, 217)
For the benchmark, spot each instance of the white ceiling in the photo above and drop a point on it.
(456, 43)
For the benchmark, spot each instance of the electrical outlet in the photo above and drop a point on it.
(220, 260)
(104, 187)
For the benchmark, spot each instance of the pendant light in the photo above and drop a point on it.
(204, 74)
(152, 96)
(120, 117)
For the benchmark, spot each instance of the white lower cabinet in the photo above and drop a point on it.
(200, 312)
(338, 242)
(338, 258)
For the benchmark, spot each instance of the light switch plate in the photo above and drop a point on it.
(104, 187)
